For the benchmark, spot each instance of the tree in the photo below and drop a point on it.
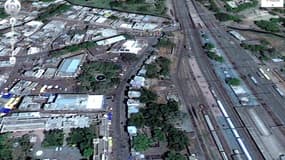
(170, 110)
(147, 96)
(209, 46)
(136, 119)
(151, 71)
(164, 64)
(5, 147)
(141, 142)
(172, 155)
(53, 138)
(88, 152)
(83, 139)
(233, 81)
(177, 140)
(159, 135)
(129, 57)
(221, 16)
(268, 25)
(22, 146)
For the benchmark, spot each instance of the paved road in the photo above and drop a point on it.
(194, 41)
(121, 147)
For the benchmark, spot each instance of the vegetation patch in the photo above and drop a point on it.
(209, 47)
(160, 118)
(233, 81)
(14, 148)
(47, 0)
(261, 51)
(214, 56)
(221, 16)
(271, 26)
(141, 142)
(52, 11)
(174, 156)
(88, 80)
(165, 43)
(82, 138)
(147, 96)
(53, 138)
(3, 13)
(72, 48)
(136, 6)
(242, 6)
(161, 67)
(213, 6)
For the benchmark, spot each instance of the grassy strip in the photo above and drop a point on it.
(73, 48)
(214, 56)
(227, 17)
(233, 81)
(53, 10)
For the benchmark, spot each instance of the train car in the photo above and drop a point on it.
(222, 108)
(254, 80)
(279, 91)
(264, 74)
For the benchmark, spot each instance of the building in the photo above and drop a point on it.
(69, 67)
(76, 102)
(134, 94)
(138, 82)
(29, 121)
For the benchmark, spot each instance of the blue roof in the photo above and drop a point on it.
(70, 65)
(7, 95)
(110, 116)
(4, 110)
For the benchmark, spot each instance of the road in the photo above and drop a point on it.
(193, 41)
(121, 146)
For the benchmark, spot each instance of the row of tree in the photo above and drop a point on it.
(12, 148)
(82, 138)
(160, 118)
(160, 67)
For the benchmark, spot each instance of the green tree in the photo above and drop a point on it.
(159, 135)
(5, 146)
(83, 139)
(151, 71)
(141, 142)
(209, 46)
(53, 138)
(221, 16)
(177, 140)
(164, 64)
(147, 96)
(88, 152)
(233, 81)
(268, 25)
(22, 147)
(136, 119)
(172, 155)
